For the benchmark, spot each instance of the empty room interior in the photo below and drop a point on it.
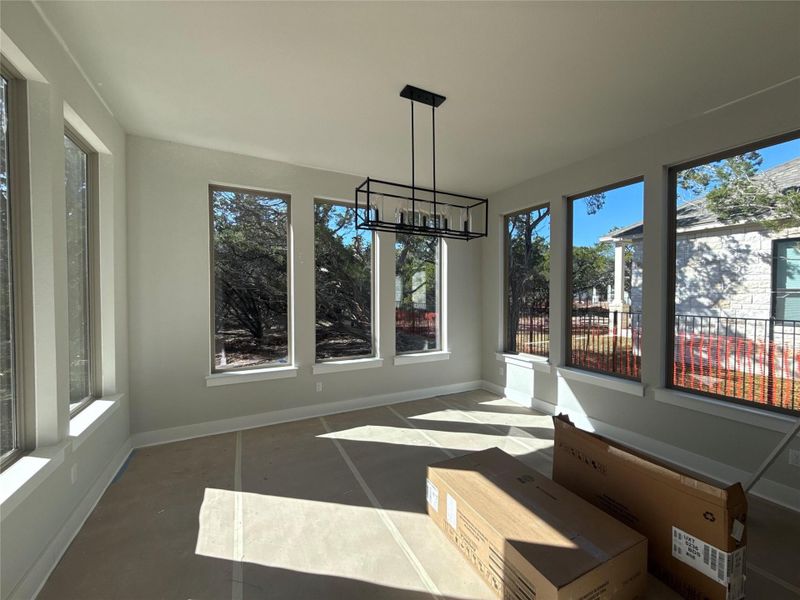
(399, 300)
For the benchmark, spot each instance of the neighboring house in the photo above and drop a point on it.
(735, 270)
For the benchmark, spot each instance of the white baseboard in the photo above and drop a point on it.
(33, 581)
(767, 489)
(186, 432)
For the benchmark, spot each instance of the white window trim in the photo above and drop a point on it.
(442, 320)
(216, 376)
(21, 478)
(526, 361)
(27, 473)
(374, 276)
(82, 424)
(740, 413)
(250, 375)
(626, 386)
(421, 357)
(340, 366)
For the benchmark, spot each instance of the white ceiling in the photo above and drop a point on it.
(530, 86)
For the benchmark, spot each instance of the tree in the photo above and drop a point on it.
(343, 283)
(736, 192)
(250, 268)
(529, 264)
(528, 268)
(592, 267)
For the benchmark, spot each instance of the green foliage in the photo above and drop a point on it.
(343, 283)
(592, 267)
(250, 251)
(528, 247)
(736, 192)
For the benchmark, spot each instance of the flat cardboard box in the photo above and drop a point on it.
(696, 530)
(530, 538)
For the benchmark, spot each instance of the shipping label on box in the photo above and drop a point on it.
(726, 568)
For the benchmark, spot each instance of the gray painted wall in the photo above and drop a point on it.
(168, 220)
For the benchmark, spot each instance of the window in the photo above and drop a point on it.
(604, 330)
(786, 291)
(736, 288)
(527, 306)
(79, 272)
(417, 293)
(343, 277)
(9, 394)
(249, 260)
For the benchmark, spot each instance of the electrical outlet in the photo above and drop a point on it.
(73, 473)
(319, 386)
(794, 457)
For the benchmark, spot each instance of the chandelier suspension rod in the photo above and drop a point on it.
(433, 131)
(413, 163)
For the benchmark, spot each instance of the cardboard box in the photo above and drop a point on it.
(530, 538)
(696, 530)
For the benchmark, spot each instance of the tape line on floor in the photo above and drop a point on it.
(237, 577)
(398, 537)
(466, 414)
(424, 434)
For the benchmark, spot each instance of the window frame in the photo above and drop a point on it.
(213, 369)
(672, 236)
(439, 304)
(507, 275)
(15, 110)
(373, 290)
(92, 268)
(774, 279)
(568, 280)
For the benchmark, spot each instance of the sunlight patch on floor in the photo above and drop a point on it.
(306, 536)
(516, 442)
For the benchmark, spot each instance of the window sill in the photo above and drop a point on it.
(27, 473)
(634, 388)
(727, 410)
(421, 357)
(340, 366)
(526, 361)
(91, 417)
(232, 377)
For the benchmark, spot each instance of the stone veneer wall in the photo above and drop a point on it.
(721, 272)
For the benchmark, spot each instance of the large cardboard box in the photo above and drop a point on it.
(530, 538)
(696, 530)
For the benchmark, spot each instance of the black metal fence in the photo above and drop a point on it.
(752, 360)
(532, 332)
(606, 341)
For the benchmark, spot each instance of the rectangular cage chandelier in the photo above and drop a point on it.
(396, 207)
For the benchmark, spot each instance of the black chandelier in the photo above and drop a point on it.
(399, 208)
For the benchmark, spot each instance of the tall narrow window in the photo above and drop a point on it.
(343, 278)
(417, 293)
(76, 180)
(787, 280)
(8, 384)
(527, 308)
(605, 325)
(250, 301)
(736, 292)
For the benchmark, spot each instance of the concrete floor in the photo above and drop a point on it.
(327, 508)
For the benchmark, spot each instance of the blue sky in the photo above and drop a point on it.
(624, 205)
